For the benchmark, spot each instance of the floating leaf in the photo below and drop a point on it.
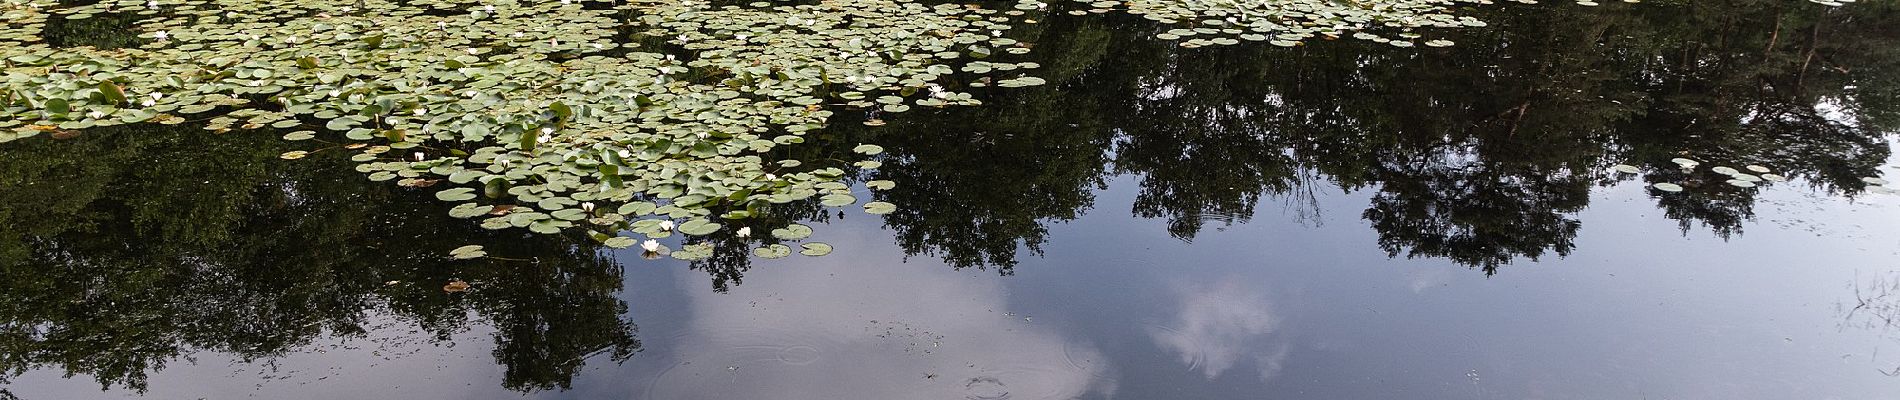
(868, 149)
(837, 200)
(468, 252)
(1625, 168)
(698, 227)
(456, 194)
(1667, 187)
(773, 251)
(815, 249)
(792, 232)
(620, 242)
(879, 208)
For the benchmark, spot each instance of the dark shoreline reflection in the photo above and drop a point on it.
(129, 248)
(1482, 153)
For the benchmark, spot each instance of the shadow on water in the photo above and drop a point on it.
(128, 248)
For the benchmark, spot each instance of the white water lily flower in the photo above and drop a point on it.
(148, 103)
(701, 135)
(488, 7)
(666, 225)
(745, 232)
(588, 207)
(419, 156)
(421, 111)
(335, 93)
(161, 35)
(157, 95)
(650, 245)
(96, 114)
(474, 51)
(625, 154)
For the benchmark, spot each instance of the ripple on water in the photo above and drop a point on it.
(986, 388)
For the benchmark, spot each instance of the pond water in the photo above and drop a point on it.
(1338, 220)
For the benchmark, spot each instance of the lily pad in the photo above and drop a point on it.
(468, 252)
(815, 249)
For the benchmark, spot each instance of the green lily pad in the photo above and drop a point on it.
(468, 252)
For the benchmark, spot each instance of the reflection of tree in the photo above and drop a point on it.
(1482, 152)
(128, 248)
(975, 185)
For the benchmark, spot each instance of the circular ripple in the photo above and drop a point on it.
(985, 388)
(798, 355)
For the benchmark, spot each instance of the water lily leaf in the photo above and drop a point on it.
(879, 208)
(620, 242)
(792, 232)
(1667, 187)
(773, 251)
(815, 249)
(868, 149)
(456, 194)
(837, 200)
(468, 252)
(698, 227)
(292, 155)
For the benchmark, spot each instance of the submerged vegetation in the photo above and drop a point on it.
(650, 117)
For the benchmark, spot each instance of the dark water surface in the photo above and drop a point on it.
(1342, 220)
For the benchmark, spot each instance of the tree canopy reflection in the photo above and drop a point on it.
(1481, 154)
(131, 247)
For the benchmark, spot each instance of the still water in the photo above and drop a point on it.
(1342, 220)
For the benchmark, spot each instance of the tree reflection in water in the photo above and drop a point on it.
(128, 248)
(131, 247)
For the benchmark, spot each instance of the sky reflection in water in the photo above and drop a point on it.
(1335, 221)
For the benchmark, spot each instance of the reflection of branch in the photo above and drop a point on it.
(1880, 298)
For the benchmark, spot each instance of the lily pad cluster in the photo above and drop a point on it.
(1288, 22)
(539, 115)
(1746, 177)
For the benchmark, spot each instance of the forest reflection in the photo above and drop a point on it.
(1482, 153)
(131, 247)
(128, 248)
